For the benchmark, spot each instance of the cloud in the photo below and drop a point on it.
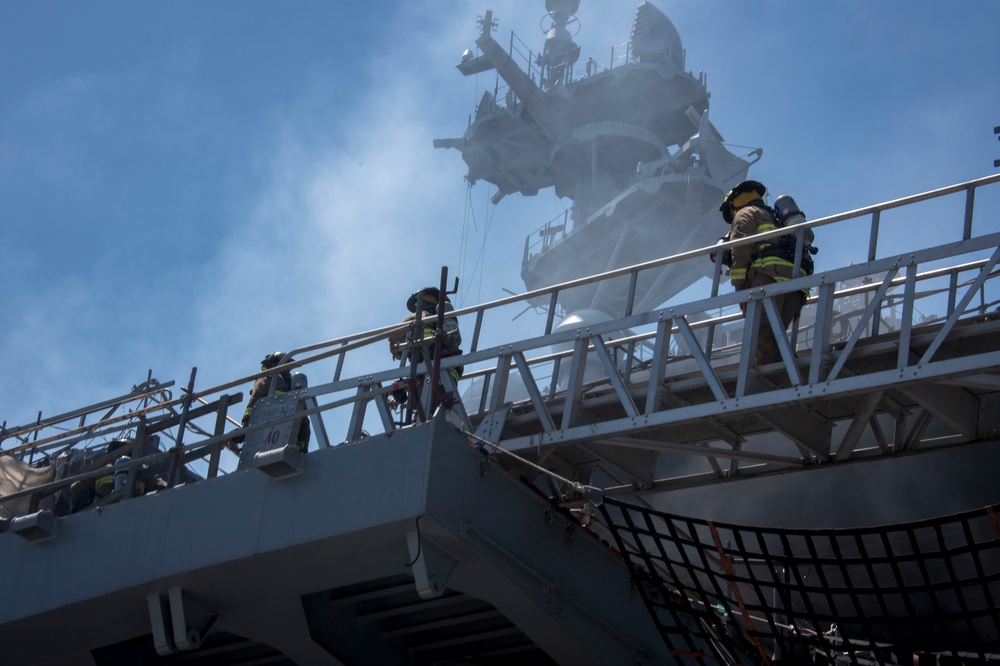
(349, 210)
(330, 205)
(349, 222)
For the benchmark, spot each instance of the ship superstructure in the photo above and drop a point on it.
(847, 506)
(626, 137)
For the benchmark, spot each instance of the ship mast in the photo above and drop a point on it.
(626, 139)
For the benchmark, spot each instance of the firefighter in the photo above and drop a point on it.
(427, 301)
(87, 492)
(759, 264)
(262, 387)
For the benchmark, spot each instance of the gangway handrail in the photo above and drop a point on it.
(345, 342)
(540, 293)
(491, 364)
(16, 431)
(597, 330)
(736, 316)
(537, 294)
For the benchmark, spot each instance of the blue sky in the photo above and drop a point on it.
(199, 183)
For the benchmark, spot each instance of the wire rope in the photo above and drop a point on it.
(581, 488)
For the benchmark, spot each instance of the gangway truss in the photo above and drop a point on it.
(671, 379)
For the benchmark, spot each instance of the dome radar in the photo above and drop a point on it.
(563, 8)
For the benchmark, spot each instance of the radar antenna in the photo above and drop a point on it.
(560, 52)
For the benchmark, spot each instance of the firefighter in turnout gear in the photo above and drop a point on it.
(87, 492)
(262, 387)
(759, 264)
(426, 302)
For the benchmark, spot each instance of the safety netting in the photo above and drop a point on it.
(876, 595)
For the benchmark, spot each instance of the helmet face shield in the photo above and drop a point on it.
(727, 211)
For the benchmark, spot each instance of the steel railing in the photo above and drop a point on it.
(555, 375)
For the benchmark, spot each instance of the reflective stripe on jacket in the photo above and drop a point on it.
(105, 485)
(748, 260)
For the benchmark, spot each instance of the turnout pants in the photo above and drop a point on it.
(789, 306)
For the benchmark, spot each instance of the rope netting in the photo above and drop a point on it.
(876, 595)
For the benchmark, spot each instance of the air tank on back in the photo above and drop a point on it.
(788, 211)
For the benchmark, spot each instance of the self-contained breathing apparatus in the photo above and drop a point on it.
(785, 212)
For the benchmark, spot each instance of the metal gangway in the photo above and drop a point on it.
(866, 373)
(894, 357)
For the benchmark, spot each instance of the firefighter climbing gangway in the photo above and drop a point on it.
(896, 352)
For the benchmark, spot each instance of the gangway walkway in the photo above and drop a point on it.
(585, 415)
(862, 365)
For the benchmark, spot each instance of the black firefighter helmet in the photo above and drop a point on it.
(734, 199)
(274, 359)
(431, 296)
